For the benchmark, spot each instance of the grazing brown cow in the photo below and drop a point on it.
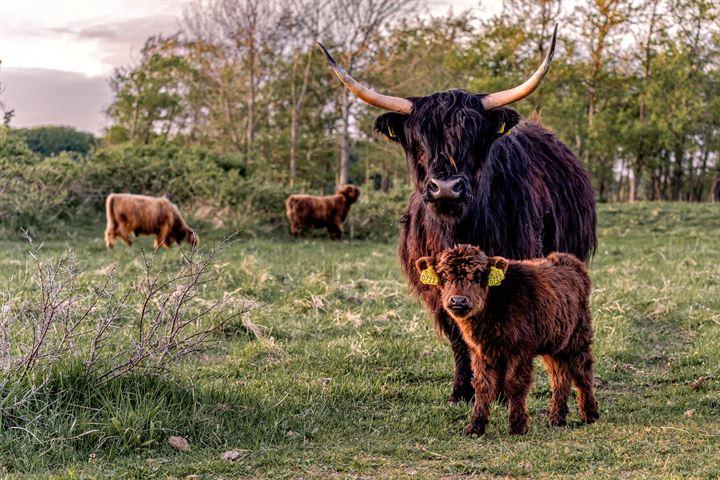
(510, 312)
(144, 215)
(321, 212)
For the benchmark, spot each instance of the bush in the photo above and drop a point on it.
(84, 364)
(377, 214)
(47, 193)
(52, 140)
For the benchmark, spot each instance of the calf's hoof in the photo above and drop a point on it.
(519, 429)
(461, 394)
(557, 421)
(474, 429)
(557, 418)
(590, 417)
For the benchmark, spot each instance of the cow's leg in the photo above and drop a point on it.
(110, 236)
(122, 232)
(335, 231)
(518, 380)
(462, 386)
(485, 384)
(161, 239)
(582, 375)
(560, 381)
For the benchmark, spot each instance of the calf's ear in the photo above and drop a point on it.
(423, 263)
(391, 126)
(499, 262)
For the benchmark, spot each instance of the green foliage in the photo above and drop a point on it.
(47, 141)
(640, 111)
(14, 149)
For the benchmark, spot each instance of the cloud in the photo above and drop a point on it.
(54, 97)
(94, 46)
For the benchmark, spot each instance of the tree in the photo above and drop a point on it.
(7, 115)
(356, 28)
(150, 97)
(47, 141)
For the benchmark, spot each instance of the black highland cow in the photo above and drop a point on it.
(485, 178)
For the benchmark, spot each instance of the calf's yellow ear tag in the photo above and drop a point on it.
(429, 276)
(495, 277)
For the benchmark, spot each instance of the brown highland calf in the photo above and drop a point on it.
(321, 212)
(510, 312)
(144, 215)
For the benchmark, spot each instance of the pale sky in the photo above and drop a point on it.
(58, 54)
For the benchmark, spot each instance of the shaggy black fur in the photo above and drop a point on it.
(525, 194)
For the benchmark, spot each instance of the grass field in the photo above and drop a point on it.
(349, 380)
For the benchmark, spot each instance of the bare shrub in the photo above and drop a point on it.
(112, 329)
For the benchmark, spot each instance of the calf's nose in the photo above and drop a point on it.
(459, 301)
(447, 189)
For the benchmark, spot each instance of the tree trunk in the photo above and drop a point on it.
(344, 139)
(250, 134)
(293, 144)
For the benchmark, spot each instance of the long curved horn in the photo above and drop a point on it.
(386, 102)
(506, 97)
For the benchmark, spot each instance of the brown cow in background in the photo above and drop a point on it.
(145, 215)
(321, 212)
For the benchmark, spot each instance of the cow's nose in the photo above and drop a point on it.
(447, 189)
(459, 302)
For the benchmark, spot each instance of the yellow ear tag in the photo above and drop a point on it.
(502, 128)
(429, 276)
(495, 277)
(391, 132)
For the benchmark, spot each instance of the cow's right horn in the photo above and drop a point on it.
(498, 99)
(371, 97)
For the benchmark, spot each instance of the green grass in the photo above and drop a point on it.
(353, 382)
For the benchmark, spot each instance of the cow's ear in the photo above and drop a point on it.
(503, 119)
(423, 263)
(391, 125)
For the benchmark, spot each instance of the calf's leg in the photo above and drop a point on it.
(518, 380)
(560, 381)
(582, 376)
(485, 383)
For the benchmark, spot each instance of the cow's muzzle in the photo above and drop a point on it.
(453, 189)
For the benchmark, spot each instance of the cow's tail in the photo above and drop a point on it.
(110, 221)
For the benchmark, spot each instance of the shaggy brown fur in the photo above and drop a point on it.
(143, 215)
(321, 212)
(540, 308)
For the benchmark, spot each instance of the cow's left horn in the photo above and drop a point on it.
(506, 97)
(386, 102)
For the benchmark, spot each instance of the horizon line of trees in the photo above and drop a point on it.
(632, 88)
